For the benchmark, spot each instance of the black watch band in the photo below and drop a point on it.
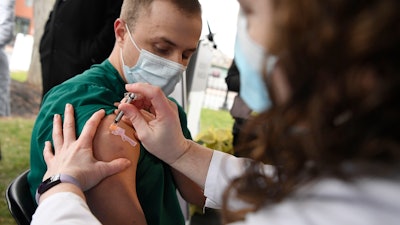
(53, 181)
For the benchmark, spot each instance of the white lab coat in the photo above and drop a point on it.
(326, 202)
(63, 208)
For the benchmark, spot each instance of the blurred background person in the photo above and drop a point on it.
(77, 35)
(6, 34)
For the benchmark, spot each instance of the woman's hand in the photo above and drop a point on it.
(162, 135)
(73, 156)
(156, 121)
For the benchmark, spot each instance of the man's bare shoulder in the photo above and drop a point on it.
(113, 141)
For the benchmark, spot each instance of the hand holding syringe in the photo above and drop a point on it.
(115, 130)
(130, 98)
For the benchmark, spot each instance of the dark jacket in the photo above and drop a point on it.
(78, 34)
(239, 111)
(232, 78)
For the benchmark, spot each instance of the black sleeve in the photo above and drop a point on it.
(232, 79)
(100, 44)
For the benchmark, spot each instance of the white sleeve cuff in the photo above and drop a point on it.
(64, 208)
(223, 168)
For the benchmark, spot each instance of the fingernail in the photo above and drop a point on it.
(56, 116)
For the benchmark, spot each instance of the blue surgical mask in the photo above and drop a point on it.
(251, 58)
(153, 69)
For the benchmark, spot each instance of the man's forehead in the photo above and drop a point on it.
(169, 25)
(173, 42)
(158, 6)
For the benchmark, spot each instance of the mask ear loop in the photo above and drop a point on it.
(122, 58)
(130, 36)
(269, 66)
(134, 43)
(120, 49)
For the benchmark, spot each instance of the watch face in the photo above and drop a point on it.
(49, 183)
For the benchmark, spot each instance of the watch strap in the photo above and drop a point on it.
(53, 181)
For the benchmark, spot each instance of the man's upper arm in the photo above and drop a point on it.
(114, 200)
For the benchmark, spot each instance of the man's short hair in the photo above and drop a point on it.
(131, 9)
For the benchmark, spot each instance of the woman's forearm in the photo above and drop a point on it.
(194, 162)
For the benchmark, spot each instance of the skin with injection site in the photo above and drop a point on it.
(118, 131)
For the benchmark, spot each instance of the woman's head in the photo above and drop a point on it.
(326, 34)
(339, 61)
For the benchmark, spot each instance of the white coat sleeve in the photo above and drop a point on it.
(223, 169)
(64, 208)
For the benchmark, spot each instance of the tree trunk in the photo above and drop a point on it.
(41, 10)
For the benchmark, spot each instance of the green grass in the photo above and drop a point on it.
(215, 119)
(15, 134)
(20, 76)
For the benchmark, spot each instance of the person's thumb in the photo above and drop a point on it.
(115, 166)
(102, 170)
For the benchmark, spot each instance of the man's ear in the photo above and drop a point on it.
(120, 31)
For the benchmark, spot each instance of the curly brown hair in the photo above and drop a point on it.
(342, 119)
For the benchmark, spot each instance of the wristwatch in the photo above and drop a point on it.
(53, 181)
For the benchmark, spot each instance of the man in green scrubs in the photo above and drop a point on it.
(154, 42)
